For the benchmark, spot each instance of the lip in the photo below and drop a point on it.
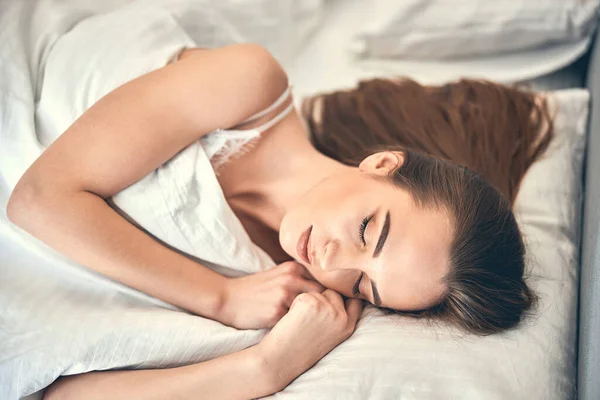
(302, 246)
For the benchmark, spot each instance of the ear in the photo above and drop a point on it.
(382, 163)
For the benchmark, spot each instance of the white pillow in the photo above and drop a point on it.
(438, 29)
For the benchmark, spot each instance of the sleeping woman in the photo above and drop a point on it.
(392, 193)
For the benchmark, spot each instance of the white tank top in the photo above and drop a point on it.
(222, 145)
(182, 203)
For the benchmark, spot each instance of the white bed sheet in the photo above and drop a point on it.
(393, 358)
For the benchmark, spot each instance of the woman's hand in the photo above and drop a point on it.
(260, 300)
(315, 324)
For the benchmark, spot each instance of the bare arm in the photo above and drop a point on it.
(315, 324)
(240, 375)
(125, 135)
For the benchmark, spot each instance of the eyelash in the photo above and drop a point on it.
(356, 288)
(362, 228)
(361, 235)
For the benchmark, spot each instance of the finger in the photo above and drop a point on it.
(298, 299)
(354, 309)
(298, 269)
(288, 300)
(282, 268)
(335, 298)
(305, 286)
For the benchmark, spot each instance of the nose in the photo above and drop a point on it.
(327, 259)
(334, 257)
(337, 257)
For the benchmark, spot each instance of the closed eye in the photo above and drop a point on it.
(356, 288)
(362, 228)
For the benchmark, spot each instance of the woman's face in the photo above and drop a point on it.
(357, 232)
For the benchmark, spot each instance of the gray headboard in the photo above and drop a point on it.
(589, 293)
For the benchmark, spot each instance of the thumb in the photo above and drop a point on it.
(354, 309)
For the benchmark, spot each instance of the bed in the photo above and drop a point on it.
(399, 358)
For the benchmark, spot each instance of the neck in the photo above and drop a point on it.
(288, 167)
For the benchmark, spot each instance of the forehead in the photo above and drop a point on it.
(416, 256)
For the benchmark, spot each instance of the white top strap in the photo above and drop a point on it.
(273, 106)
(275, 120)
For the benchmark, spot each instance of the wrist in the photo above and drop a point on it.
(272, 373)
(218, 302)
(279, 369)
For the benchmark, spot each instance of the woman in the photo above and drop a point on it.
(404, 229)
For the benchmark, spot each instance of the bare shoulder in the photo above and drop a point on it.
(255, 71)
(156, 115)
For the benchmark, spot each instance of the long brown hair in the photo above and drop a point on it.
(467, 146)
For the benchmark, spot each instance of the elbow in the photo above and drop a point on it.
(25, 199)
(17, 207)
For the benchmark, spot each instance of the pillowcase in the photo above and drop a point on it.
(440, 29)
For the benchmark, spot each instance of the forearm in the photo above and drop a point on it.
(82, 226)
(240, 375)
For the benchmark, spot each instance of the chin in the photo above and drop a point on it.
(284, 237)
(288, 237)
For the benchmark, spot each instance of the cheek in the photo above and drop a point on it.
(331, 206)
(340, 281)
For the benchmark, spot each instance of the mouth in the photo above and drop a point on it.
(302, 247)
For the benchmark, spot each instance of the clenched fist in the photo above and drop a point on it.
(315, 324)
(260, 300)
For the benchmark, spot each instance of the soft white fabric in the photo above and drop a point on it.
(57, 317)
(30, 29)
(282, 26)
(439, 29)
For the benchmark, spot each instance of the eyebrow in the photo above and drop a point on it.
(383, 236)
(385, 230)
(376, 297)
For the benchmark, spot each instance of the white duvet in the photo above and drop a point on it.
(57, 317)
